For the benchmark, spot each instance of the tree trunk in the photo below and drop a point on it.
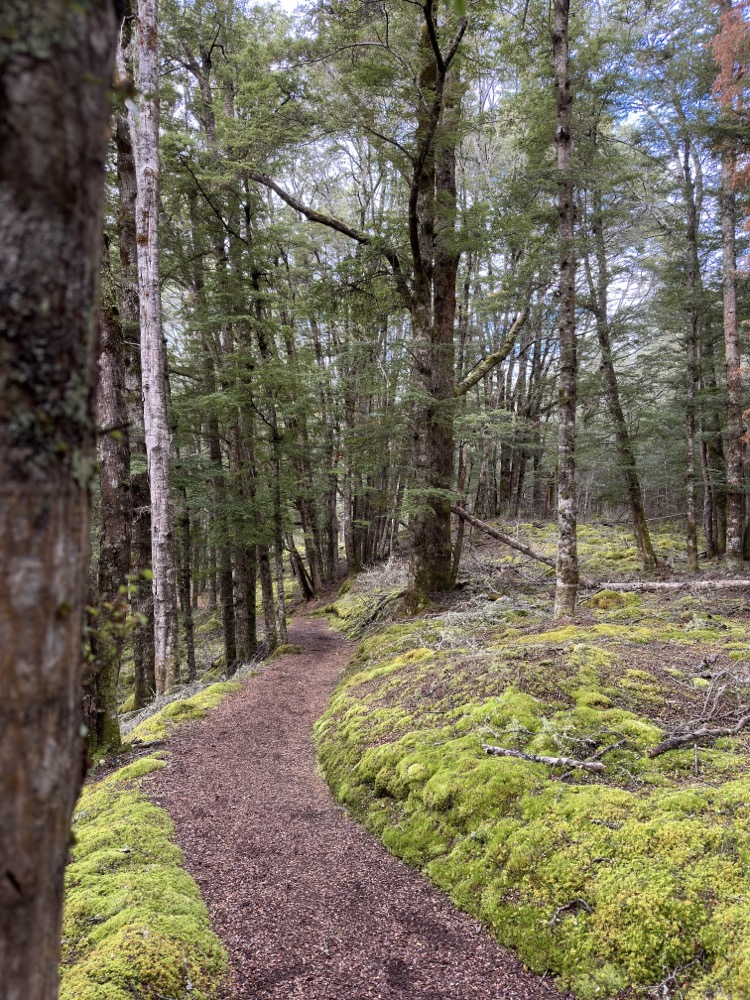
(567, 552)
(142, 600)
(432, 223)
(185, 581)
(623, 444)
(154, 354)
(692, 373)
(266, 588)
(115, 520)
(54, 112)
(735, 446)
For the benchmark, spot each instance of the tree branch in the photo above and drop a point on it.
(336, 224)
(495, 359)
(586, 765)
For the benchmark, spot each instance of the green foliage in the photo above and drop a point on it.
(134, 923)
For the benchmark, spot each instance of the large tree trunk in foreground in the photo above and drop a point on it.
(567, 551)
(154, 354)
(54, 113)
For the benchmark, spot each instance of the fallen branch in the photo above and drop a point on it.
(677, 740)
(587, 765)
(597, 756)
(502, 537)
(659, 585)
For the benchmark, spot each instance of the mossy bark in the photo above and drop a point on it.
(55, 69)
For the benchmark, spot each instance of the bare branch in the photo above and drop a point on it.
(585, 765)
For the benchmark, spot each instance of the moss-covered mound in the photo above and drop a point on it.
(161, 723)
(134, 922)
(607, 881)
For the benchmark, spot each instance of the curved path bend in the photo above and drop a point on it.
(308, 905)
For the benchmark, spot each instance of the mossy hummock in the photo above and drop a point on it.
(134, 922)
(607, 881)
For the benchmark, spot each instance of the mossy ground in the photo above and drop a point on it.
(609, 882)
(159, 725)
(134, 922)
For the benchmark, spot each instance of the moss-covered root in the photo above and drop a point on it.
(161, 723)
(134, 923)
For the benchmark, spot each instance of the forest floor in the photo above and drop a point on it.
(307, 903)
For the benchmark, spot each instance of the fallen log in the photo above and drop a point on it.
(586, 765)
(677, 740)
(660, 585)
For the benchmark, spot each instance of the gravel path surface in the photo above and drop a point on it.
(308, 904)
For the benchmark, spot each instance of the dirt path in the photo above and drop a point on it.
(308, 904)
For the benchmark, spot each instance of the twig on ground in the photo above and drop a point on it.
(540, 759)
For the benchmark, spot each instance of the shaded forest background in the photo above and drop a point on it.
(347, 228)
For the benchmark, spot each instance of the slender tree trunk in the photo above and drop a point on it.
(54, 113)
(115, 520)
(154, 354)
(735, 446)
(567, 551)
(692, 373)
(142, 600)
(185, 580)
(266, 587)
(623, 444)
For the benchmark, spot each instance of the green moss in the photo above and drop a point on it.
(286, 649)
(128, 705)
(607, 881)
(134, 923)
(162, 722)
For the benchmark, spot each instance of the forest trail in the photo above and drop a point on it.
(306, 902)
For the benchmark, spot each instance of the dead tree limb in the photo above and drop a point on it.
(597, 756)
(502, 537)
(742, 583)
(586, 765)
(677, 740)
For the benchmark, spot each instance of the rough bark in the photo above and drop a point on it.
(735, 446)
(154, 353)
(567, 551)
(142, 600)
(185, 583)
(692, 330)
(54, 114)
(115, 523)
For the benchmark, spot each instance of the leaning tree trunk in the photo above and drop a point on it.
(54, 111)
(567, 551)
(154, 354)
(623, 444)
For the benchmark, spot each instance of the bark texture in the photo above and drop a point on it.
(154, 353)
(735, 446)
(115, 516)
(567, 550)
(54, 114)
(142, 601)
